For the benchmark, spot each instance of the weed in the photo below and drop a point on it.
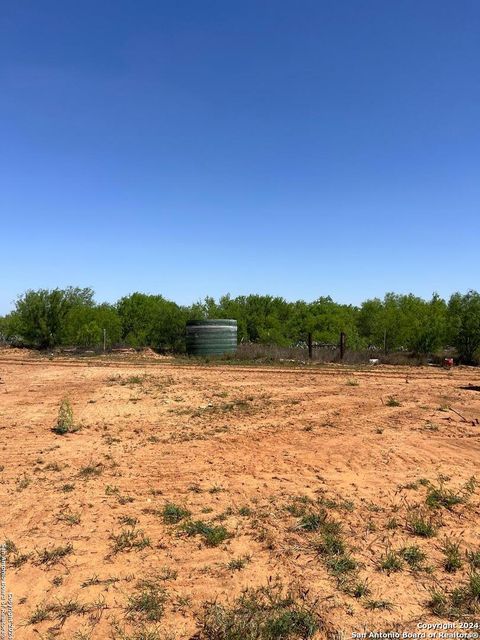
(312, 521)
(91, 470)
(330, 544)
(438, 603)
(390, 562)
(453, 559)
(298, 506)
(473, 558)
(68, 488)
(50, 557)
(95, 580)
(245, 511)
(65, 422)
(470, 486)
(341, 564)
(413, 556)
(360, 589)
(420, 524)
(212, 535)
(61, 611)
(42, 612)
(142, 633)
(128, 521)
(352, 382)
(14, 557)
(10, 547)
(224, 515)
(392, 523)
(167, 574)
(128, 540)
(441, 497)
(19, 560)
(53, 466)
(216, 489)
(392, 402)
(462, 601)
(181, 603)
(23, 482)
(339, 505)
(266, 613)
(69, 518)
(378, 604)
(147, 603)
(236, 564)
(173, 514)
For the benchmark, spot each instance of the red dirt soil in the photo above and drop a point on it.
(237, 447)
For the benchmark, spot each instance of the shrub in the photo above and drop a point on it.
(65, 418)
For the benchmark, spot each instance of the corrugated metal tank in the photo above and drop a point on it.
(211, 337)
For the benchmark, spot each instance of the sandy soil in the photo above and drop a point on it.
(250, 449)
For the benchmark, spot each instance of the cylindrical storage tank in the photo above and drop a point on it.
(211, 337)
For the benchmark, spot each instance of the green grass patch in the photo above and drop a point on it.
(452, 556)
(267, 613)
(413, 556)
(130, 539)
(420, 524)
(147, 603)
(52, 556)
(390, 562)
(211, 534)
(459, 603)
(173, 514)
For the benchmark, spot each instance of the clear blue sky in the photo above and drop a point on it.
(191, 147)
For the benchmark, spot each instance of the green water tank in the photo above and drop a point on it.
(211, 337)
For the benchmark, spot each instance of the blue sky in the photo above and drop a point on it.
(202, 147)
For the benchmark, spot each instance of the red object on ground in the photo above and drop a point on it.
(448, 363)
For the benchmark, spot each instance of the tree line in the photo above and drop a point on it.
(48, 318)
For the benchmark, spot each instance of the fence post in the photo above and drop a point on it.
(342, 345)
(310, 346)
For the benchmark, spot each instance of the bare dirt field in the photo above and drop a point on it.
(184, 485)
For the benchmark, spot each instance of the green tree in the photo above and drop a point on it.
(152, 321)
(84, 326)
(327, 319)
(40, 315)
(9, 327)
(464, 324)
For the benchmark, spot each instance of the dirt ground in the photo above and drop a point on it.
(258, 451)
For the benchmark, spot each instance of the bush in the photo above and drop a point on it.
(65, 418)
